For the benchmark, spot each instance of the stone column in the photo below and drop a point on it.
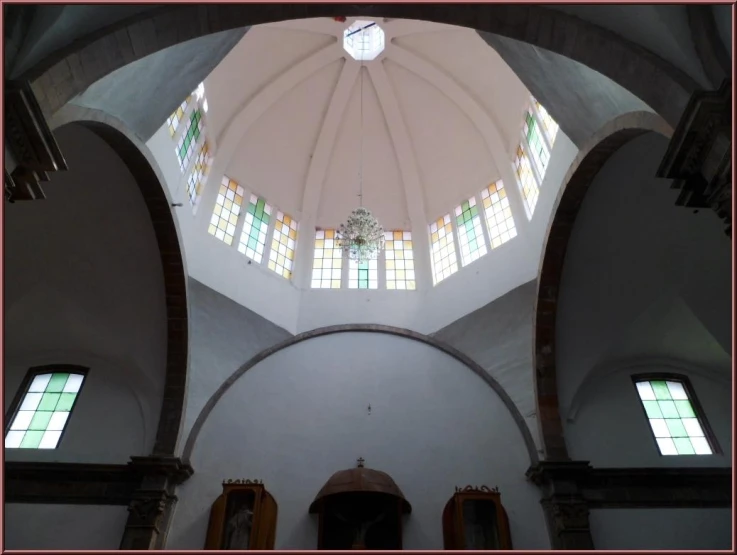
(152, 505)
(566, 510)
(699, 157)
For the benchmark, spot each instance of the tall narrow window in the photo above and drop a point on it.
(188, 141)
(527, 180)
(283, 244)
(675, 418)
(226, 212)
(399, 260)
(442, 249)
(470, 235)
(176, 118)
(538, 147)
(255, 226)
(196, 179)
(43, 411)
(327, 266)
(498, 214)
(363, 275)
(549, 124)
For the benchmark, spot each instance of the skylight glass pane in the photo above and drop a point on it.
(470, 235)
(499, 220)
(399, 260)
(283, 245)
(194, 127)
(255, 226)
(442, 249)
(327, 266)
(537, 146)
(527, 180)
(363, 275)
(227, 209)
(44, 411)
(672, 418)
(549, 124)
(176, 118)
(196, 179)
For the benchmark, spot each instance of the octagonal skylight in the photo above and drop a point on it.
(363, 40)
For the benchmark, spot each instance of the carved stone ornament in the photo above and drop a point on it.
(477, 489)
(570, 516)
(146, 511)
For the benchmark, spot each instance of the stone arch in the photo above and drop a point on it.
(71, 70)
(150, 181)
(365, 328)
(590, 160)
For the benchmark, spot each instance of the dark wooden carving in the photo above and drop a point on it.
(360, 508)
(475, 519)
(243, 517)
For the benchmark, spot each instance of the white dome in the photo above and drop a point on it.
(433, 119)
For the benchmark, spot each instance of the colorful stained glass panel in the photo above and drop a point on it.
(227, 209)
(442, 249)
(470, 235)
(327, 266)
(255, 227)
(283, 245)
(499, 220)
(399, 260)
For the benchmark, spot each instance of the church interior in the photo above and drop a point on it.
(368, 276)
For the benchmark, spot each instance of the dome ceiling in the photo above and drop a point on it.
(289, 109)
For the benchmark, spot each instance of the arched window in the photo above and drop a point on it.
(676, 419)
(42, 408)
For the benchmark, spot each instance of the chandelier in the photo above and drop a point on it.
(361, 237)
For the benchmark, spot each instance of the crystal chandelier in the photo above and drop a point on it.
(361, 237)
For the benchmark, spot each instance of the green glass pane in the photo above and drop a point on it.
(669, 409)
(252, 243)
(465, 206)
(196, 133)
(66, 401)
(259, 213)
(676, 428)
(661, 390)
(685, 409)
(40, 421)
(265, 218)
(652, 409)
(474, 211)
(193, 116)
(363, 265)
(459, 220)
(472, 245)
(48, 401)
(56, 383)
(683, 445)
(31, 440)
(363, 284)
(251, 208)
(260, 204)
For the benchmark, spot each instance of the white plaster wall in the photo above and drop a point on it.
(73, 527)
(301, 415)
(667, 529)
(84, 285)
(644, 283)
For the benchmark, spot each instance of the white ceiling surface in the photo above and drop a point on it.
(284, 117)
(270, 151)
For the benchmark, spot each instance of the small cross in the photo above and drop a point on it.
(360, 462)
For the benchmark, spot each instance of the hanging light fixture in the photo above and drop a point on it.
(361, 237)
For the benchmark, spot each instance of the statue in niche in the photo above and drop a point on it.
(479, 525)
(360, 528)
(239, 521)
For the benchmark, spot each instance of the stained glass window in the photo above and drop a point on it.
(363, 275)
(255, 227)
(399, 260)
(537, 145)
(196, 179)
(283, 244)
(188, 141)
(328, 263)
(442, 249)
(672, 417)
(176, 118)
(527, 180)
(470, 235)
(44, 411)
(549, 124)
(498, 214)
(226, 212)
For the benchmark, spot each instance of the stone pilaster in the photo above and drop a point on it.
(699, 157)
(30, 143)
(566, 510)
(152, 504)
